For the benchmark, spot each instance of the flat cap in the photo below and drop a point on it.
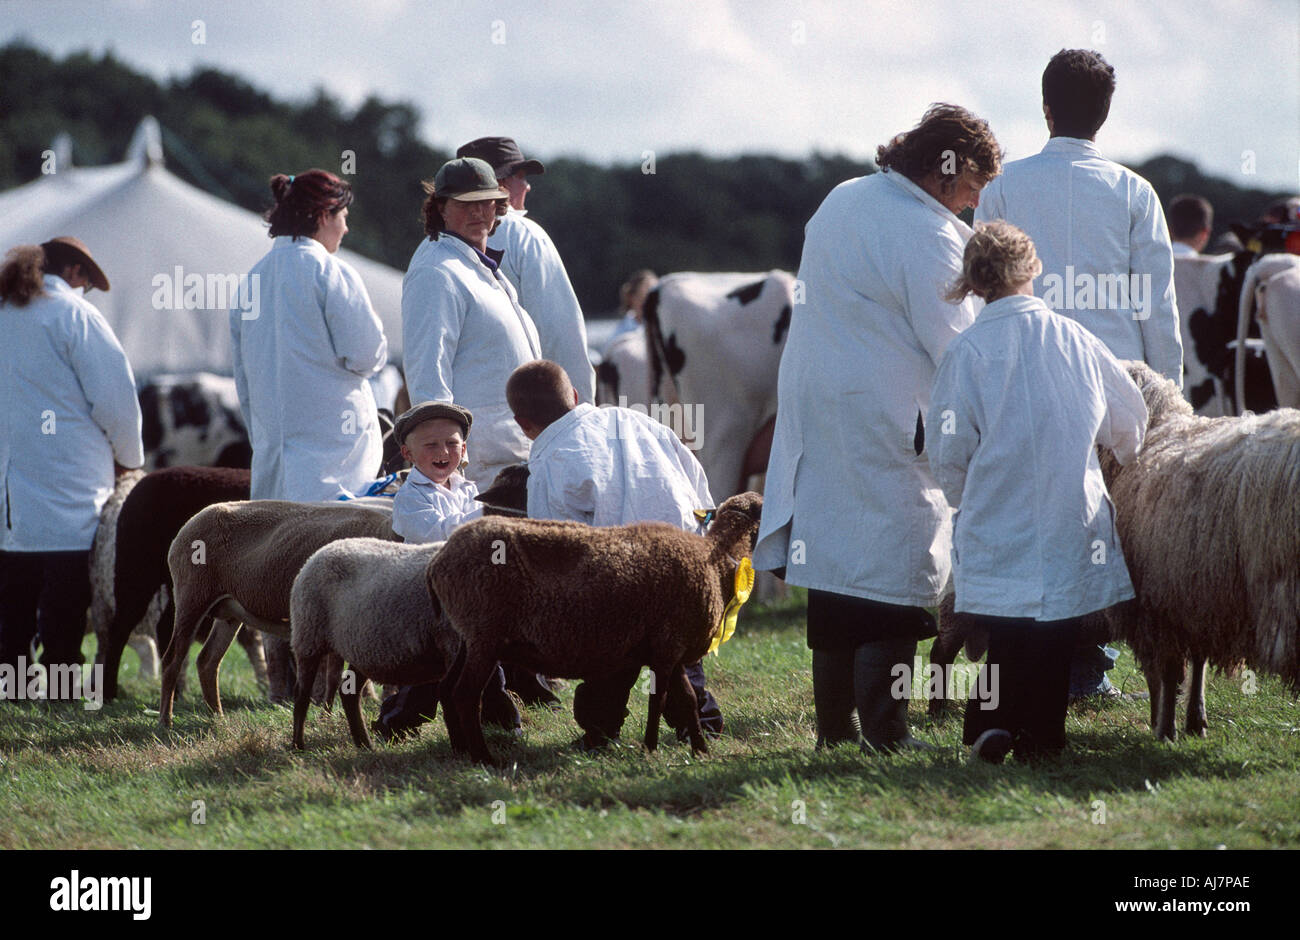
(427, 411)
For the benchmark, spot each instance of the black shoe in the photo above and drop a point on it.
(992, 746)
(390, 735)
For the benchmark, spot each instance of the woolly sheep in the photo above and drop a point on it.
(364, 600)
(103, 558)
(570, 600)
(129, 559)
(237, 561)
(1209, 519)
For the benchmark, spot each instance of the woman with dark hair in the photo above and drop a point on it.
(302, 358)
(462, 324)
(852, 511)
(69, 419)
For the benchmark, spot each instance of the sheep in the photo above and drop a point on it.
(1209, 519)
(129, 560)
(570, 600)
(364, 600)
(237, 561)
(103, 556)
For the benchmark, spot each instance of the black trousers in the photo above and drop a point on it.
(46, 595)
(600, 705)
(412, 705)
(1028, 693)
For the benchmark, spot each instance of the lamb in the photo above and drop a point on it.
(364, 600)
(569, 600)
(103, 557)
(237, 561)
(129, 560)
(1209, 519)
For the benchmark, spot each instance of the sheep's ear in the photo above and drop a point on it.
(705, 516)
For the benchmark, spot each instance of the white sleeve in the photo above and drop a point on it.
(355, 330)
(1124, 426)
(241, 378)
(417, 520)
(560, 489)
(1150, 253)
(951, 428)
(109, 385)
(433, 313)
(930, 269)
(547, 294)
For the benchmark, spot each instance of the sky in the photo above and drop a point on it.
(1217, 83)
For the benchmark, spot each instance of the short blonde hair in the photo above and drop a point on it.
(999, 257)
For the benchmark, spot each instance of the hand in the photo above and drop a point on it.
(119, 470)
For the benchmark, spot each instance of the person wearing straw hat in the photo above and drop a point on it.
(530, 262)
(70, 421)
(463, 326)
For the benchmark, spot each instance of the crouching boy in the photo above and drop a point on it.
(1020, 401)
(606, 466)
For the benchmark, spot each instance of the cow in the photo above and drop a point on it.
(714, 342)
(623, 376)
(193, 420)
(1271, 296)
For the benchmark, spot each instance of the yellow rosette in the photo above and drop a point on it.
(744, 587)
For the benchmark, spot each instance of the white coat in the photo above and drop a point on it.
(424, 511)
(614, 466)
(300, 369)
(1091, 219)
(464, 332)
(850, 505)
(68, 410)
(533, 266)
(1019, 403)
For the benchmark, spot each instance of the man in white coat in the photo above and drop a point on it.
(529, 260)
(69, 419)
(851, 509)
(463, 327)
(1101, 235)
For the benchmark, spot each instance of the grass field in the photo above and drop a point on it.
(84, 779)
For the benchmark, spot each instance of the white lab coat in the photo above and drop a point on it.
(424, 511)
(614, 466)
(533, 266)
(464, 333)
(1019, 403)
(850, 506)
(1089, 218)
(68, 409)
(300, 369)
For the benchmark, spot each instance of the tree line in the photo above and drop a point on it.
(682, 211)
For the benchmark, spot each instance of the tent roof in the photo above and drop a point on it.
(141, 222)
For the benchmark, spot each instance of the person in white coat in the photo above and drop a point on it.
(464, 329)
(1020, 402)
(302, 359)
(531, 263)
(851, 510)
(607, 466)
(70, 419)
(1101, 235)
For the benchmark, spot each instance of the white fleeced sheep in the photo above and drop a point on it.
(237, 562)
(364, 601)
(569, 600)
(1209, 520)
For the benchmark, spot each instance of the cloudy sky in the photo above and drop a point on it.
(1214, 82)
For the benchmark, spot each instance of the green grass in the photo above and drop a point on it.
(81, 779)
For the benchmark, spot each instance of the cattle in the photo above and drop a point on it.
(714, 345)
(1271, 296)
(623, 376)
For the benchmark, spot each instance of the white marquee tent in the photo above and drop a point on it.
(142, 223)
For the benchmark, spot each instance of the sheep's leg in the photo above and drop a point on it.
(942, 653)
(1196, 721)
(220, 636)
(109, 657)
(189, 614)
(451, 716)
(251, 641)
(147, 650)
(351, 703)
(467, 696)
(307, 666)
(691, 708)
(658, 701)
(333, 675)
(1171, 674)
(279, 669)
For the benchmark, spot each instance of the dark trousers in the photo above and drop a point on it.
(1030, 687)
(600, 705)
(413, 705)
(43, 594)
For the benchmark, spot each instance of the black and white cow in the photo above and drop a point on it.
(193, 420)
(714, 345)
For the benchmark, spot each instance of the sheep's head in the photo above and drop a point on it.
(735, 522)
(508, 494)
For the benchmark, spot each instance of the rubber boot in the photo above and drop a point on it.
(837, 718)
(883, 715)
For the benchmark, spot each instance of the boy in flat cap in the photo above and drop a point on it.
(435, 498)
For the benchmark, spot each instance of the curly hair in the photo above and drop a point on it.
(999, 258)
(302, 201)
(1077, 87)
(948, 142)
(21, 278)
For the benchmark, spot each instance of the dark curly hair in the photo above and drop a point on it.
(948, 141)
(1077, 87)
(302, 201)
